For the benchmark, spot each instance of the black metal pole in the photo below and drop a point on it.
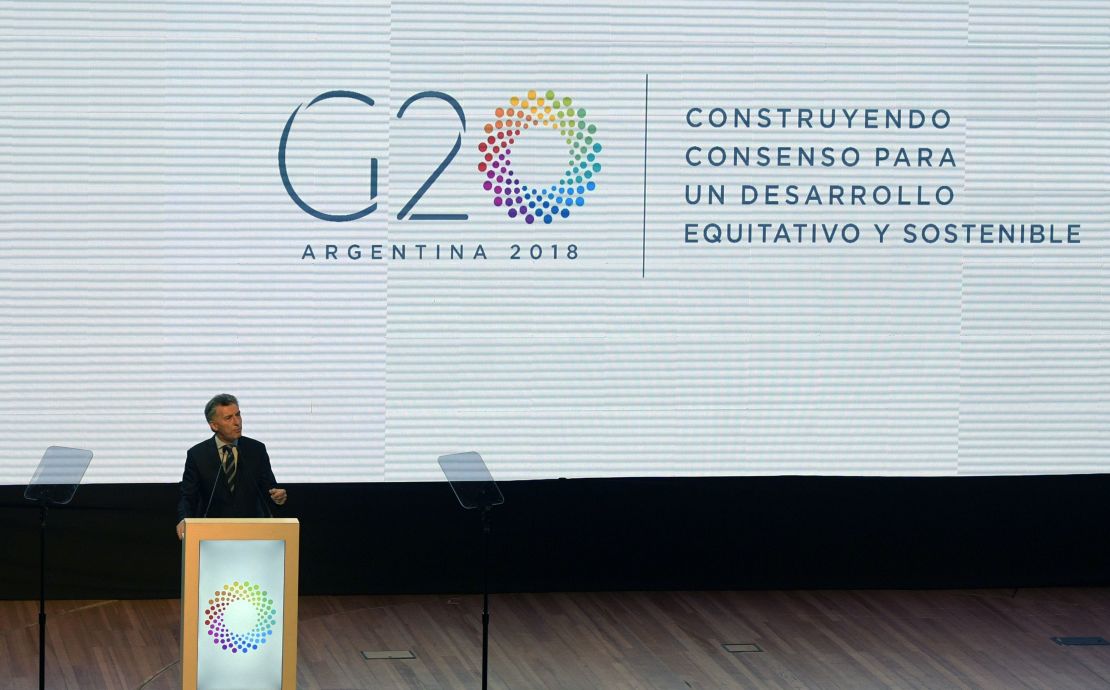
(42, 598)
(485, 596)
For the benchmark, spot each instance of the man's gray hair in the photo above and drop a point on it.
(219, 400)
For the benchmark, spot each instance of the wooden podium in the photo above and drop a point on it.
(239, 604)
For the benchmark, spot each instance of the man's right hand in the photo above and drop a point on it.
(181, 530)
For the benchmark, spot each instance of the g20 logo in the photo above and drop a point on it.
(524, 199)
(546, 201)
(254, 614)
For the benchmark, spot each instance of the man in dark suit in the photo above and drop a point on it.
(228, 475)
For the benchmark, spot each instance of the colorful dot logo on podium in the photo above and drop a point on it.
(240, 617)
(548, 200)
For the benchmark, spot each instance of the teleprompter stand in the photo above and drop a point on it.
(54, 483)
(474, 487)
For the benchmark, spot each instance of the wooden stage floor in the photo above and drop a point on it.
(672, 640)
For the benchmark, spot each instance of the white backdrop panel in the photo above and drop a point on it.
(151, 256)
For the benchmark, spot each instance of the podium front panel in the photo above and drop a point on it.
(239, 604)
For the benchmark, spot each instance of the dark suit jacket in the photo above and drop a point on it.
(204, 478)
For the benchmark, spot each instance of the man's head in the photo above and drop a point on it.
(222, 413)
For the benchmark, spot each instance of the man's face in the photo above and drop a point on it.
(227, 423)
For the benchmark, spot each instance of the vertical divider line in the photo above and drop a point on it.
(643, 241)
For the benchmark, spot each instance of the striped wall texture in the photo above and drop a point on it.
(150, 255)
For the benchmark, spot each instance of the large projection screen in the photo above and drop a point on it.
(862, 238)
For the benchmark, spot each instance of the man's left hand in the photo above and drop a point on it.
(278, 496)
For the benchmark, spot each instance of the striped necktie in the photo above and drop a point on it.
(230, 467)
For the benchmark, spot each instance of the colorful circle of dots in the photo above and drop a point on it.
(258, 599)
(545, 109)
